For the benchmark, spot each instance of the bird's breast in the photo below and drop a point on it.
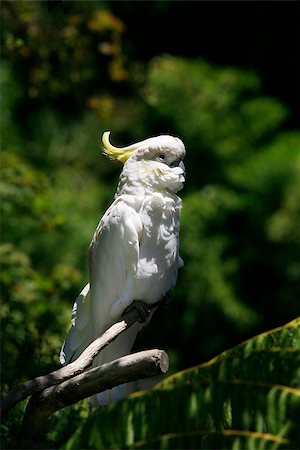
(159, 246)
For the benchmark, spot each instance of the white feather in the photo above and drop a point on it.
(134, 253)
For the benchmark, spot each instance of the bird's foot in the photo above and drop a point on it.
(141, 308)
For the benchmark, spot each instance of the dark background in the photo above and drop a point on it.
(262, 36)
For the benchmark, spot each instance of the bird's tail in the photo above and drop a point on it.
(120, 347)
(79, 335)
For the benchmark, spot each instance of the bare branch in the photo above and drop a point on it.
(76, 367)
(123, 370)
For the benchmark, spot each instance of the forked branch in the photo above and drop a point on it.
(76, 381)
(123, 370)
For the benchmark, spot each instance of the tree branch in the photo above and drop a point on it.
(76, 367)
(123, 370)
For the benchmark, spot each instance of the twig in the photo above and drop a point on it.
(123, 370)
(76, 367)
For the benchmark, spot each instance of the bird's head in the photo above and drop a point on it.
(154, 164)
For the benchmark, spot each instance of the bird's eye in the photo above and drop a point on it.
(161, 157)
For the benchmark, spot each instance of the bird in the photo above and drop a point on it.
(134, 252)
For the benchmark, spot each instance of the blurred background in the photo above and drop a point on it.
(222, 76)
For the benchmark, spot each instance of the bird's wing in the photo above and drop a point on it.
(113, 257)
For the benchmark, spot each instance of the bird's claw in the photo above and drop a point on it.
(141, 308)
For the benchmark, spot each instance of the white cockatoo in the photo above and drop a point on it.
(134, 253)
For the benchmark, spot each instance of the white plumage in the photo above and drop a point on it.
(134, 253)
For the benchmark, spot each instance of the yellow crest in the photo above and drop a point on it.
(120, 154)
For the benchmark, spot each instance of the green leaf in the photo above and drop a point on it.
(247, 397)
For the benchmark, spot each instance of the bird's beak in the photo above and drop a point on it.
(182, 167)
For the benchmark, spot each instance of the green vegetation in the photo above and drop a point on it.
(244, 398)
(64, 80)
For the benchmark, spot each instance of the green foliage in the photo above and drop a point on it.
(26, 291)
(219, 111)
(240, 216)
(228, 235)
(62, 54)
(245, 398)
